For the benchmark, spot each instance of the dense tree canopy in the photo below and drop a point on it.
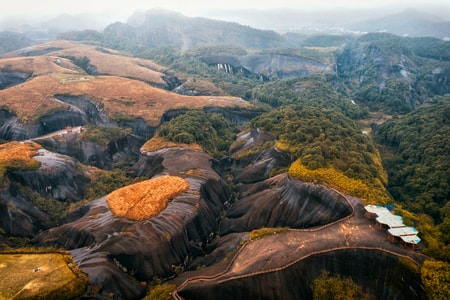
(211, 131)
(315, 90)
(322, 138)
(416, 151)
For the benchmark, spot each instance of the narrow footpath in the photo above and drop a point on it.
(257, 257)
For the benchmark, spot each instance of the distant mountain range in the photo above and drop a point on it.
(411, 22)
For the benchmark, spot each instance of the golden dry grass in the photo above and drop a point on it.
(146, 199)
(157, 143)
(20, 281)
(39, 65)
(117, 95)
(116, 64)
(111, 63)
(16, 151)
(15, 155)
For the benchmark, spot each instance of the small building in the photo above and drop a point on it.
(396, 229)
(407, 235)
(411, 240)
(389, 221)
(374, 211)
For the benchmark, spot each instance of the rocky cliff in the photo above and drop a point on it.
(368, 268)
(111, 249)
(11, 78)
(59, 177)
(265, 64)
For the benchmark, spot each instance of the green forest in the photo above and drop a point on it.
(212, 132)
(416, 151)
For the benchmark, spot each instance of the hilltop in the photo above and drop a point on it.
(62, 76)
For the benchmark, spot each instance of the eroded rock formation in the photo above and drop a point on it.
(110, 249)
(367, 267)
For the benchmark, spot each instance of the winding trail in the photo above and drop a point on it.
(352, 232)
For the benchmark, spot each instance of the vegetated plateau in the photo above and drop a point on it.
(188, 158)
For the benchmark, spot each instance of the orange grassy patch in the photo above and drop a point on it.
(18, 151)
(39, 65)
(110, 63)
(117, 95)
(113, 63)
(157, 143)
(15, 155)
(146, 199)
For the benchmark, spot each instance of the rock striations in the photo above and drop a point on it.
(111, 249)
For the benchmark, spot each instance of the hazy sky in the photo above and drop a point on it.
(123, 8)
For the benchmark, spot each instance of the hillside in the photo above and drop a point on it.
(195, 158)
(415, 153)
(104, 61)
(55, 73)
(409, 22)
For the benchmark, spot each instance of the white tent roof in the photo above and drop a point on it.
(410, 239)
(377, 209)
(391, 220)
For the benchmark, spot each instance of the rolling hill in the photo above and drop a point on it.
(123, 85)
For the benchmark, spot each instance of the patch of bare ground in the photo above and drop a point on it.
(146, 199)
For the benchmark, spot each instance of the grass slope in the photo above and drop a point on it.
(122, 90)
(54, 280)
(118, 96)
(107, 61)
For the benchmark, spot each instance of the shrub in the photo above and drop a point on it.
(436, 279)
(326, 287)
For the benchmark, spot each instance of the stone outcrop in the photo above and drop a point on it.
(19, 217)
(238, 116)
(264, 64)
(124, 150)
(58, 177)
(249, 166)
(11, 78)
(110, 249)
(367, 268)
(284, 202)
(13, 129)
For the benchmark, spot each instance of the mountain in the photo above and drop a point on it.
(10, 41)
(155, 27)
(410, 22)
(170, 156)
